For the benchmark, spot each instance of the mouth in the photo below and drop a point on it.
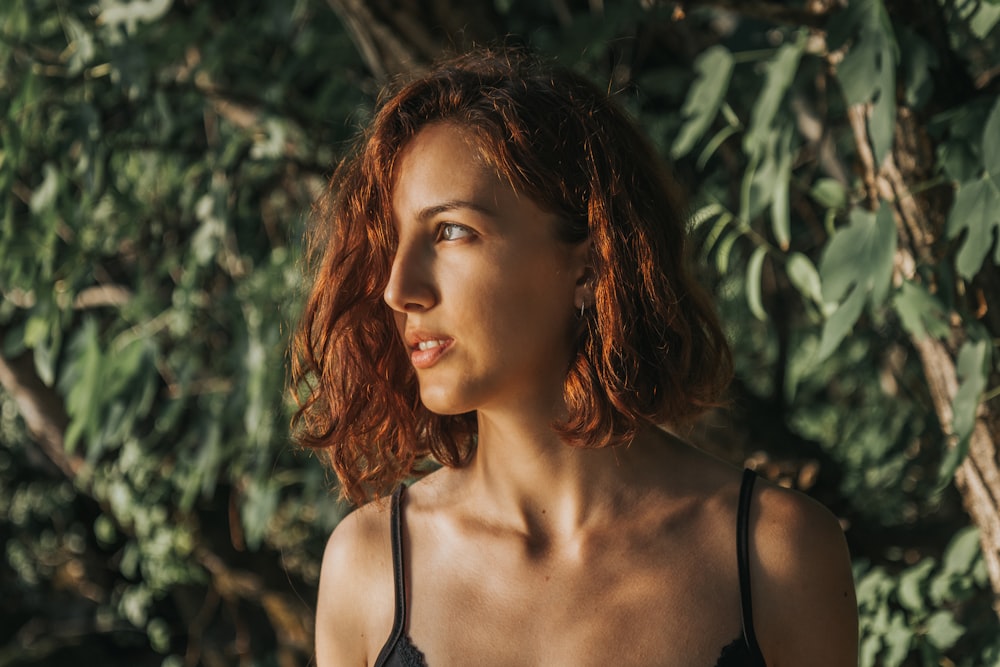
(430, 344)
(426, 351)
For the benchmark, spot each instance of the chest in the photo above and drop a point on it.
(621, 602)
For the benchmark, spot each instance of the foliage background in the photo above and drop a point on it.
(157, 163)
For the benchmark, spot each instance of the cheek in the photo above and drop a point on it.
(541, 309)
(517, 296)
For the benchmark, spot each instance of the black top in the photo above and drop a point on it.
(744, 651)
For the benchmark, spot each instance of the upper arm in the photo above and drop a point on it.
(805, 609)
(349, 608)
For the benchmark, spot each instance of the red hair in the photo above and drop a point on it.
(651, 348)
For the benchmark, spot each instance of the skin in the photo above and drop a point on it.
(538, 553)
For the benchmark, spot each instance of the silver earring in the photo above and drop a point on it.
(583, 306)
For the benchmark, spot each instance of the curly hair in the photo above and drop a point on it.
(650, 350)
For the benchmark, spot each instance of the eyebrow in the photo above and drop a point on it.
(452, 205)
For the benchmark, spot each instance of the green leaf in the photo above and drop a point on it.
(40, 334)
(202, 478)
(976, 208)
(985, 20)
(44, 196)
(754, 268)
(780, 74)
(759, 182)
(713, 144)
(258, 506)
(13, 343)
(972, 374)
(958, 160)
(943, 631)
(703, 215)
(991, 143)
(715, 233)
(920, 313)
(829, 193)
(868, 71)
(81, 44)
(83, 383)
(861, 253)
(159, 635)
(725, 247)
(105, 530)
(804, 277)
(911, 584)
(952, 458)
(45, 361)
(882, 121)
(962, 128)
(898, 638)
(207, 239)
(714, 68)
(868, 653)
(918, 59)
(135, 603)
(872, 588)
(800, 365)
(962, 553)
(131, 14)
(746, 189)
(858, 260)
(977, 204)
(855, 72)
(780, 219)
(840, 323)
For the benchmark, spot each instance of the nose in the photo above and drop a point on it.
(411, 286)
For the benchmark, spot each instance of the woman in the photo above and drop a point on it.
(503, 290)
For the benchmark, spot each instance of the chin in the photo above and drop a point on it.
(443, 403)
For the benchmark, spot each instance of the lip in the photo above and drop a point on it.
(425, 358)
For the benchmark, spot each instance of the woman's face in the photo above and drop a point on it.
(484, 295)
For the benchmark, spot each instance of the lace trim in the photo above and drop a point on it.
(735, 654)
(409, 655)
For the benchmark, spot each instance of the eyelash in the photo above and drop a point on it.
(441, 234)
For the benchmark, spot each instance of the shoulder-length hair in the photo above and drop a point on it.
(649, 350)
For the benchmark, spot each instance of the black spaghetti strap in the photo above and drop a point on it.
(399, 579)
(743, 563)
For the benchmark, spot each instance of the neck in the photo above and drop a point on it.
(528, 473)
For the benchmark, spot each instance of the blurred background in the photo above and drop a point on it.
(158, 160)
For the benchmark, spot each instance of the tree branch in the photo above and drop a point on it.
(42, 410)
(978, 476)
(102, 295)
(394, 38)
(44, 414)
(290, 618)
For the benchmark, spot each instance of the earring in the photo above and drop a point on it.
(583, 306)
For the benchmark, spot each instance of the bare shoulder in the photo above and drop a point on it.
(354, 611)
(804, 605)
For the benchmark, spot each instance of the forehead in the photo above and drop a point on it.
(444, 140)
(442, 161)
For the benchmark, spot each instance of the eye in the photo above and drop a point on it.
(450, 231)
